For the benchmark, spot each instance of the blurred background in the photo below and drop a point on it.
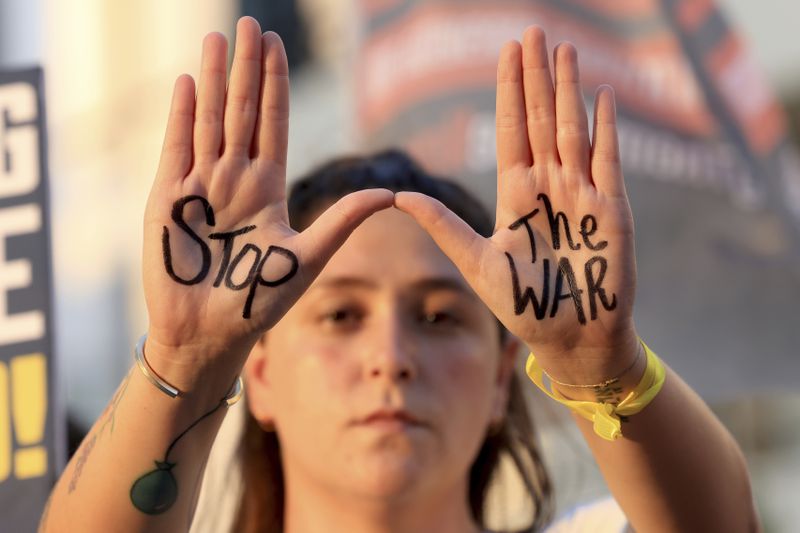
(709, 96)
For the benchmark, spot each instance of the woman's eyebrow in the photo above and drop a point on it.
(422, 285)
(346, 282)
(449, 284)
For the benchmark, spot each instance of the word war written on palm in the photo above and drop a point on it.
(565, 284)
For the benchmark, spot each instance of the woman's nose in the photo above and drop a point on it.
(392, 354)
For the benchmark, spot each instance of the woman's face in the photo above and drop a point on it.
(386, 374)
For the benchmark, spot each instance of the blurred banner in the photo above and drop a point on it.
(714, 182)
(29, 450)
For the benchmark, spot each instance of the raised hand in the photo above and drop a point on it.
(221, 263)
(559, 271)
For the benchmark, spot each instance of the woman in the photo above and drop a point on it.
(435, 324)
(378, 361)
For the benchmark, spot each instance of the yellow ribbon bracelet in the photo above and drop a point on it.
(605, 415)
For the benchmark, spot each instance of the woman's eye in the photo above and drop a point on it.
(439, 318)
(340, 316)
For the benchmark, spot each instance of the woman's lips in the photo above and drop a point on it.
(390, 419)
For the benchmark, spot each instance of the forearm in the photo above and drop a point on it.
(676, 468)
(104, 487)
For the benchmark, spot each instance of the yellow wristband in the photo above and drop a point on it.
(605, 415)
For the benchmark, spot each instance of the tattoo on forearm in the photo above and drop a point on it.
(229, 263)
(108, 418)
(156, 491)
(566, 285)
(80, 461)
(110, 415)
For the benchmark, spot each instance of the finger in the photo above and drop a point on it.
(606, 166)
(329, 231)
(176, 154)
(539, 98)
(454, 236)
(241, 102)
(513, 148)
(210, 98)
(571, 122)
(273, 117)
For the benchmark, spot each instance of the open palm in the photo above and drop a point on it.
(559, 271)
(221, 263)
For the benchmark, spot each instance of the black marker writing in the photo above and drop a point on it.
(566, 285)
(521, 299)
(250, 273)
(227, 248)
(555, 221)
(229, 263)
(524, 221)
(565, 271)
(270, 283)
(177, 217)
(594, 288)
(587, 230)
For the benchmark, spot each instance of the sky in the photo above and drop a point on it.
(770, 26)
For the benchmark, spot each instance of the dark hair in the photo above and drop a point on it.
(262, 504)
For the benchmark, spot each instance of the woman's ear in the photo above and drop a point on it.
(505, 369)
(258, 385)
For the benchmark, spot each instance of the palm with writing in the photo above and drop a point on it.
(221, 263)
(559, 271)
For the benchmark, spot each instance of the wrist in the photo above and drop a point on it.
(606, 414)
(586, 365)
(611, 390)
(193, 369)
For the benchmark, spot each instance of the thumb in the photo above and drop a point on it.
(455, 237)
(329, 231)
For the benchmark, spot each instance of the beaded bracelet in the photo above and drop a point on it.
(605, 416)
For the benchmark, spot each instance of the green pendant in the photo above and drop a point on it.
(156, 491)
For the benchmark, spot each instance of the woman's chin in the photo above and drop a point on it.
(390, 474)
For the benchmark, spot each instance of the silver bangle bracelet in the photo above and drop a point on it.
(233, 396)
